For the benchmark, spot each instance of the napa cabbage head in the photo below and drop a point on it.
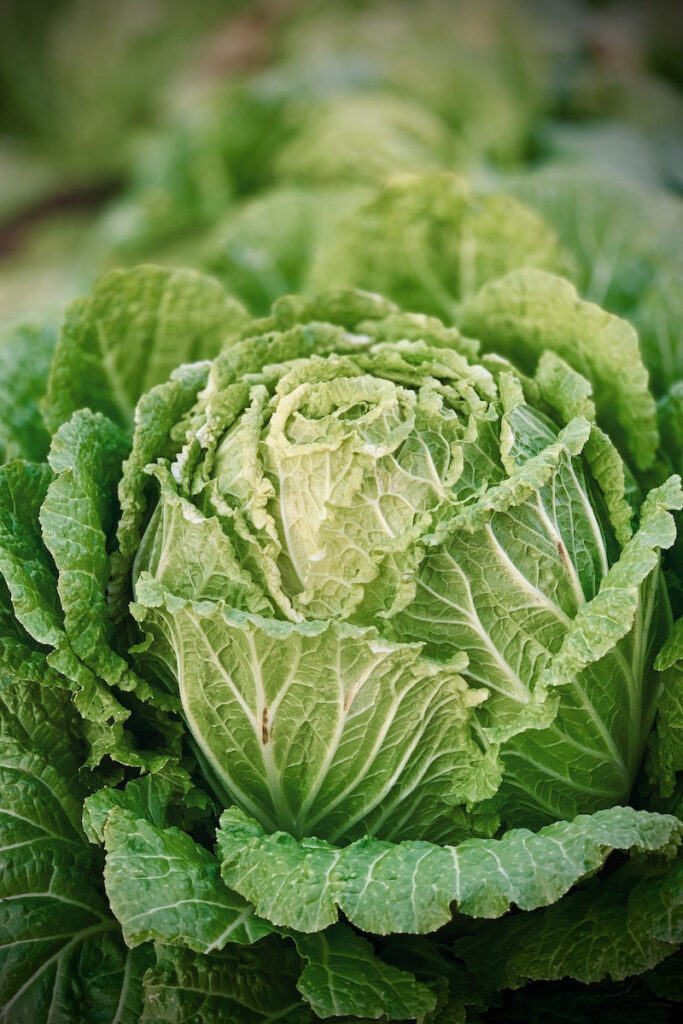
(397, 586)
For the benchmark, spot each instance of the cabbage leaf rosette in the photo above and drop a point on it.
(358, 629)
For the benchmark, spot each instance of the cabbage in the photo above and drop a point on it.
(337, 655)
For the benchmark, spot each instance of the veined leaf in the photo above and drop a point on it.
(409, 887)
(61, 952)
(137, 326)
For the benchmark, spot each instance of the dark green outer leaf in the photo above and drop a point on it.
(62, 958)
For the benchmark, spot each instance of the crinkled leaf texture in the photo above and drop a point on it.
(425, 241)
(25, 355)
(623, 239)
(56, 526)
(665, 756)
(229, 986)
(62, 956)
(609, 929)
(163, 886)
(265, 247)
(135, 328)
(392, 606)
(409, 887)
(528, 312)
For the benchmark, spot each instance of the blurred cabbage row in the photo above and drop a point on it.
(236, 136)
(288, 146)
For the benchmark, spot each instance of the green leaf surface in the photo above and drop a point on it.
(20, 656)
(527, 312)
(254, 985)
(62, 957)
(670, 411)
(163, 886)
(55, 530)
(156, 414)
(265, 247)
(343, 976)
(75, 517)
(394, 133)
(25, 354)
(31, 578)
(611, 929)
(162, 799)
(133, 331)
(268, 982)
(427, 243)
(623, 239)
(409, 887)
(33, 584)
(665, 756)
(24, 561)
(381, 722)
(585, 763)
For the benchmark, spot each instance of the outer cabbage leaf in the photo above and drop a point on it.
(670, 411)
(31, 580)
(624, 240)
(255, 985)
(344, 976)
(266, 246)
(163, 799)
(610, 929)
(265, 983)
(20, 656)
(665, 756)
(24, 560)
(388, 733)
(191, 908)
(528, 312)
(163, 885)
(449, 58)
(62, 954)
(76, 518)
(25, 354)
(365, 138)
(135, 328)
(156, 414)
(409, 887)
(60, 602)
(594, 744)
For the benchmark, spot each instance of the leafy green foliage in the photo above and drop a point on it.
(60, 948)
(25, 355)
(130, 334)
(623, 241)
(375, 614)
(482, 877)
(342, 631)
(265, 247)
(184, 987)
(611, 929)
